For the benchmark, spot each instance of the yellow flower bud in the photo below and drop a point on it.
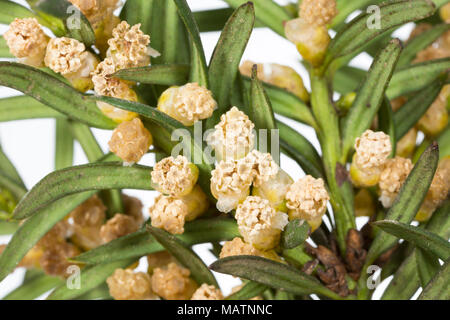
(130, 141)
(197, 203)
(106, 85)
(237, 247)
(437, 50)
(207, 292)
(54, 260)
(174, 176)
(57, 234)
(87, 220)
(233, 137)
(278, 75)
(372, 151)
(69, 57)
(51, 252)
(129, 285)
(27, 41)
(187, 104)
(407, 144)
(311, 40)
(263, 167)
(96, 10)
(230, 183)
(120, 225)
(133, 208)
(170, 213)
(173, 283)
(246, 69)
(129, 47)
(259, 223)
(438, 192)
(318, 12)
(100, 14)
(116, 114)
(271, 182)
(392, 178)
(159, 260)
(435, 120)
(288, 79)
(307, 199)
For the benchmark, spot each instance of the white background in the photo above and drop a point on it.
(30, 143)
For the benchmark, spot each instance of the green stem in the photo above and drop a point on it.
(8, 168)
(329, 137)
(17, 190)
(297, 256)
(7, 228)
(63, 145)
(282, 295)
(93, 151)
(84, 136)
(364, 292)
